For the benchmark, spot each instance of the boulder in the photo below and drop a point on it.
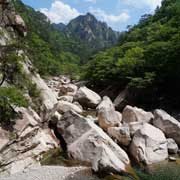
(134, 114)
(169, 125)
(66, 98)
(87, 98)
(172, 146)
(27, 150)
(134, 126)
(149, 145)
(68, 90)
(107, 116)
(173, 159)
(121, 134)
(64, 106)
(87, 142)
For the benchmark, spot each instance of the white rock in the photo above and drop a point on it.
(121, 134)
(172, 146)
(169, 125)
(172, 159)
(134, 114)
(66, 98)
(134, 126)
(64, 106)
(45, 142)
(107, 116)
(88, 143)
(87, 98)
(149, 145)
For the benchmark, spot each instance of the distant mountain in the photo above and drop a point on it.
(59, 26)
(89, 30)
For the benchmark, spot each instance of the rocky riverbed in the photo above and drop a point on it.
(90, 130)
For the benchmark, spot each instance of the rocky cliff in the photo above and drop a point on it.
(88, 29)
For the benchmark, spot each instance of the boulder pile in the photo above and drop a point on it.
(106, 139)
(91, 130)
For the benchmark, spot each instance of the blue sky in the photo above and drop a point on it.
(116, 13)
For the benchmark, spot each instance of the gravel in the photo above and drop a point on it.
(48, 173)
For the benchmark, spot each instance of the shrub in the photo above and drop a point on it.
(9, 99)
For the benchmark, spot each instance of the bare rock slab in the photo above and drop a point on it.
(89, 143)
(149, 145)
(169, 125)
(134, 114)
(87, 98)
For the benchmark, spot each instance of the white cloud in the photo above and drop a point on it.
(91, 1)
(60, 12)
(111, 19)
(151, 4)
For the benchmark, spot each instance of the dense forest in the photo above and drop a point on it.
(146, 61)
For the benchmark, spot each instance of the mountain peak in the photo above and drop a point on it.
(89, 30)
(87, 17)
(90, 15)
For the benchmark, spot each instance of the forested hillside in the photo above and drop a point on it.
(146, 61)
(54, 51)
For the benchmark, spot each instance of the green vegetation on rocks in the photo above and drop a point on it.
(9, 99)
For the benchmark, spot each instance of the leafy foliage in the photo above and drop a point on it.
(147, 58)
(9, 99)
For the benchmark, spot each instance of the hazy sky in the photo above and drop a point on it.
(117, 13)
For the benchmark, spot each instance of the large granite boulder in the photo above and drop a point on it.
(87, 142)
(64, 106)
(87, 98)
(149, 145)
(120, 134)
(134, 126)
(107, 116)
(134, 114)
(169, 125)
